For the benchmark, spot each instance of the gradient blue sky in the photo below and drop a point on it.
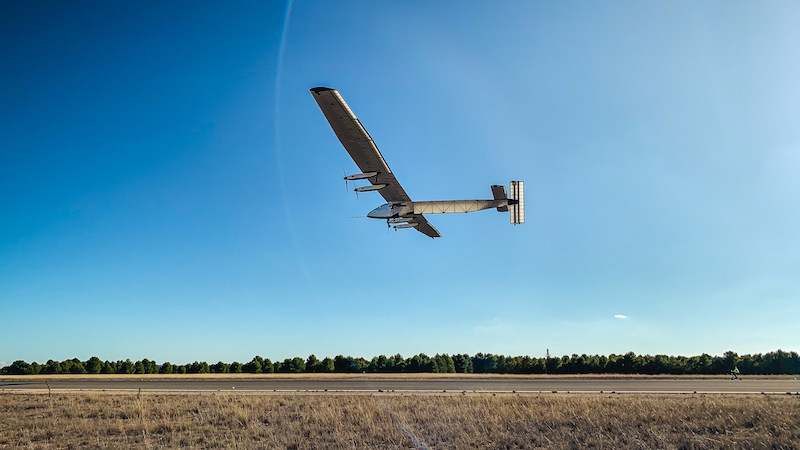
(169, 188)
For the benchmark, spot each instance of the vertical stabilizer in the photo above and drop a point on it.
(499, 193)
(517, 205)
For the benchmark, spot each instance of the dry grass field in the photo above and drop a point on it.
(216, 420)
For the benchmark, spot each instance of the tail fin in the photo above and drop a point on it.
(499, 193)
(517, 202)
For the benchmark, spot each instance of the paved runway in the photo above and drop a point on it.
(367, 384)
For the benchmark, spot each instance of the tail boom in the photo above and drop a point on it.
(514, 203)
(456, 206)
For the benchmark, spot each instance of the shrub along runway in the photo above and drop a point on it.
(406, 383)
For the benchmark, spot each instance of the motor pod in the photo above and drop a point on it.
(372, 187)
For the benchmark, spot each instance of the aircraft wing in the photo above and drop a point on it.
(359, 144)
(425, 227)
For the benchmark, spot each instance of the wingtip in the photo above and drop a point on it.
(319, 89)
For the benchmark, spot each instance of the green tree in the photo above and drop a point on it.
(382, 364)
(19, 367)
(501, 364)
(108, 368)
(127, 367)
(297, 365)
(198, 367)
(342, 364)
(552, 365)
(52, 367)
(254, 366)
(360, 364)
(396, 364)
(77, 366)
(166, 367)
(725, 363)
(286, 366)
(419, 363)
(777, 362)
(794, 363)
(702, 364)
(462, 363)
(149, 366)
(219, 367)
(94, 365)
(444, 363)
(327, 366)
(313, 364)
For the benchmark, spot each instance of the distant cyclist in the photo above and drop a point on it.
(735, 373)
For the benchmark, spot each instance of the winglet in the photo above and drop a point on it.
(319, 89)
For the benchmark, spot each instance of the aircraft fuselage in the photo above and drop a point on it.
(390, 211)
(397, 209)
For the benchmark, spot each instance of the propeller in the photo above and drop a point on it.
(347, 185)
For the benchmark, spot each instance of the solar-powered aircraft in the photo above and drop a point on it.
(400, 211)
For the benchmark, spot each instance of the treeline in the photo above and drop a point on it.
(773, 363)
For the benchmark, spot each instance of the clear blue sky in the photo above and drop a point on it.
(169, 188)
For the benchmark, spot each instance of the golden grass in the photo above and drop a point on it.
(218, 420)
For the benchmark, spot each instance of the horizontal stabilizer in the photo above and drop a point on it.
(517, 203)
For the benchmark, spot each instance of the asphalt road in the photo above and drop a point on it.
(470, 384)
